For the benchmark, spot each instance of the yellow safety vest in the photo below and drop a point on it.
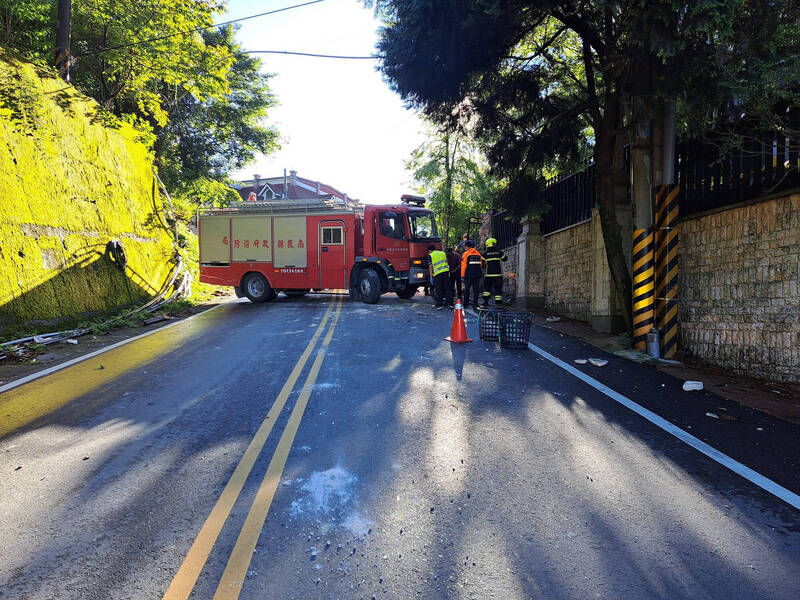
(439, 262)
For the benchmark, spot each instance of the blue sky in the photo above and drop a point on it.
(339, 122)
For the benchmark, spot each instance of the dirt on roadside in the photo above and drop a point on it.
(12, 368)
(778, 399)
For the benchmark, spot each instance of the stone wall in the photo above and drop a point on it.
(510, 272)
(568, 271)
(740, 288)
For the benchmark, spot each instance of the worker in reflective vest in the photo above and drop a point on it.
(471, 271)
(493, 280)
(439, 270)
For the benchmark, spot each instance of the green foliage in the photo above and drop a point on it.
(126, 75)
(206, 138)
(27, 26)
(202, 191)
(197, 99)
(450, 171)
(541, 83)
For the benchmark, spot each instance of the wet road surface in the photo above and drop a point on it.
(323, 448)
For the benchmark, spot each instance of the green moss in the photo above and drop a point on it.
(69, 184)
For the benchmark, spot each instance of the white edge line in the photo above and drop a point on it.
(726, 461)
(33, 376)
(723, 459)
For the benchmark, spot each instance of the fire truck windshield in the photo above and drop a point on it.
(423, 226)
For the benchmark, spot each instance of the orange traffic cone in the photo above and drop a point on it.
(458, 334)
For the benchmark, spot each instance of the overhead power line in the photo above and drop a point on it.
(371, 57)
(190, 31)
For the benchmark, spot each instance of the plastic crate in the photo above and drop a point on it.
(489, 324)
(515, 329)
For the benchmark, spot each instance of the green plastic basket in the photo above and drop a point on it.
(489, 324)
(515, 329)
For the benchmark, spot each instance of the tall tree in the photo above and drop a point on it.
(533, 78)
(205, 138)
(449, 169)
(128, 52)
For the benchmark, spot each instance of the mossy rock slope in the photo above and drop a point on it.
(71, 180)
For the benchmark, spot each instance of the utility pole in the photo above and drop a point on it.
(643, 240)
(63, 33)
(666, 232)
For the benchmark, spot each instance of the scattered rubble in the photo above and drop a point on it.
(552, 319)
(598, 362)
(580, 361)
(155, 319)
(712, 415)
(689, 386)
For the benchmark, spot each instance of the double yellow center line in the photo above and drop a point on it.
(230, 585)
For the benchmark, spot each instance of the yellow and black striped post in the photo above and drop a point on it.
(666, 258)
(643, 283)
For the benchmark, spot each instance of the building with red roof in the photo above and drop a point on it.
(289, 188)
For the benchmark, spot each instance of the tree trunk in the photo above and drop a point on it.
(606, 204)
(63, 33)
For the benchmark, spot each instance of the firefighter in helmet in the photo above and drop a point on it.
(493, 279)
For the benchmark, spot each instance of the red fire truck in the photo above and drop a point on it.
(262, 248)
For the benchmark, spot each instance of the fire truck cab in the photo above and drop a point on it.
(262, 248)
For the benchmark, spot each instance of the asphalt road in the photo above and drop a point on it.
(323, 448)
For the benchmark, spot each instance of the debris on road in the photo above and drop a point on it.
(690, 386)
(580, 361)
(72, 341)
(552, 319)
(598, 362)
(712, 415)
(155, 319)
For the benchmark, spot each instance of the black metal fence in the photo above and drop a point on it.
(764, 165)
(505, 231)
(571, 200)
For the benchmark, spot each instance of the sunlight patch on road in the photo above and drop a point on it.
(414, 406)
(608, 459)
(449, 448)
(485, 568)
(391, 365)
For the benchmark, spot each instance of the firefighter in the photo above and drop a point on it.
(493, 280)
(438, 269)
(471, 271)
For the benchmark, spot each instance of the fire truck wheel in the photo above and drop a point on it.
(256, 287)
(369, 286)
(407, 292)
